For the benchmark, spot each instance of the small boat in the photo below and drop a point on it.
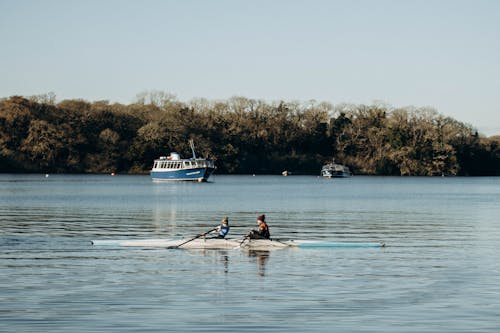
(335, 170)
(227, 243)
(175, 168)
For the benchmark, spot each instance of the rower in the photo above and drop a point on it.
(262, 231)
(223, 228)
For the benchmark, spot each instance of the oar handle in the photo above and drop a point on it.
(243, 240)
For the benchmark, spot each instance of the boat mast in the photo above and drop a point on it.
(191, 144)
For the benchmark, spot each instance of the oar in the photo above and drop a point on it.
(192, 239)
(242, 241)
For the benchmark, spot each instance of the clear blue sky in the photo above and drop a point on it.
(443, 54)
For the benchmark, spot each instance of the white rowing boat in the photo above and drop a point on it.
(228, 243)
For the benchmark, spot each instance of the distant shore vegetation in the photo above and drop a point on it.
(244, 136)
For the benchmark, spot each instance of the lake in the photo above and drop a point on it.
(440, 270)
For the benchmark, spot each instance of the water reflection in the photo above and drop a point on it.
(262, 259)
(221, 257)
(224, 259)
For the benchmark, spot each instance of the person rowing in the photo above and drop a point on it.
(223, 229)
(262, 231)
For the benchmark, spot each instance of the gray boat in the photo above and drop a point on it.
(335, 170)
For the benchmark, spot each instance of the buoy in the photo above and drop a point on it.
(112, 174)
(46, 175)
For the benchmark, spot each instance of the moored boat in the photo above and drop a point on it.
(175, 168)
(335, 170)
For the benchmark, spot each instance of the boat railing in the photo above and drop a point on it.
(183, 164)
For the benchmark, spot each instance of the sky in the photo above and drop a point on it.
(442, 54)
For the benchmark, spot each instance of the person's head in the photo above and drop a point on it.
(261, 218)
(225, 221)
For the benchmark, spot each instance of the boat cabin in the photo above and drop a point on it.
(174, 162)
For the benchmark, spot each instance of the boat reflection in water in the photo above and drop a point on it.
(262, 259)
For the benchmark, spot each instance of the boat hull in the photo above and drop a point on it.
(225, 244)
(337, 174)
(194, 174)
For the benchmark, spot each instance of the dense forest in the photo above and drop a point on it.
(243, 136)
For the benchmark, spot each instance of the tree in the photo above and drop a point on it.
(244, 135)
(43, 145)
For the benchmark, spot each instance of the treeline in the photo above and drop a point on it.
(243, 135)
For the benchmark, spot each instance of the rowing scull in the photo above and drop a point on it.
(217, 243)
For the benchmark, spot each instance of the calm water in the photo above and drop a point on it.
(439, 273)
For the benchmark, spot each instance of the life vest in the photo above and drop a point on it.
(264, 230)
